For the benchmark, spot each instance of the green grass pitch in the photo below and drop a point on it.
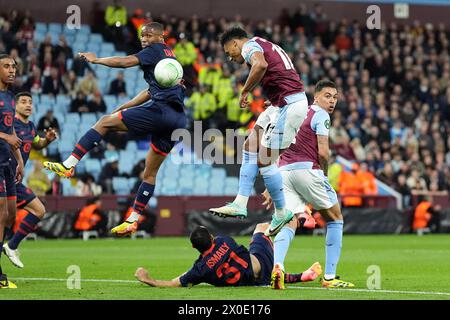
(411, 268)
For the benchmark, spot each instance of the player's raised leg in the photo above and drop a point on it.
(36, 212)
(247, 176)
(91, 138)
(154, 159)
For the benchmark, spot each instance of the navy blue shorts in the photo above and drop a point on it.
(24, 195)
(262, 248)
(156, 118)
(7, 182)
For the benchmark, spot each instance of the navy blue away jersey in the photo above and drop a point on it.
(148, 58)
(7, 113)
(27, 132)
(225, 264)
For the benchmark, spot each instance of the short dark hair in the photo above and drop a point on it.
(233, 33)
(4, 56)
(155, 26)
(201, 239)
(23, 94)
(324, 84)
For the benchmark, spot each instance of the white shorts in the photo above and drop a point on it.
(307, 186)
(280, 124)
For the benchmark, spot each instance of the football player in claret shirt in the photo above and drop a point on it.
(9, 144)
(26, 199)
(157, 111)
(304, 167)
(275, 128)
(222, 262)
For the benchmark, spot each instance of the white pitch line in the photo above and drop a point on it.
(82, 280)
(292, 287)
(378, 291)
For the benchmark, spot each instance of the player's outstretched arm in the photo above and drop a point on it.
(40, 143)
(142, 275)
(140, 98)
(113, 62)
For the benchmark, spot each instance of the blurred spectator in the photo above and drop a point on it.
(53, 84)
(96, 104)
(38, 180)
(88, 85)
(86, 186)
(56, 187)
(137, 20)
(80, 65)
(48, 121)
(80, 103)
(404, 190)
(91, 217)
(367, 179)
(116, 22)
(426, 215)
(350, 187)
(187, 55)
(138, 168)
(109, 171)
(334, 171)
(34, 82)
(70, 81)
(63, 48)
(118, 85)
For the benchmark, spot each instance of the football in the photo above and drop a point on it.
(168, 72)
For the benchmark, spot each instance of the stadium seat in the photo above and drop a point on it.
(110, 100)
(218, 174)
(39, 36)
(41, 27)
(85, 29)
(47, 100)
(121, 185)
(93, 167)
(95, 38)
(55, 27)
(88, 119)
(62, 99)
(131, 146)
(125, 166)
(73, 118)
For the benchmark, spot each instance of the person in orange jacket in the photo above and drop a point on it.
(426, 215)
(91, 217)
(350, 187)
(368, 180)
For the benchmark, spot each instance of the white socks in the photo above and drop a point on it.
(241, 201)
(70, 162)
(134, 216)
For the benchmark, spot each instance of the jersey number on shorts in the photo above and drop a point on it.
(226, 269)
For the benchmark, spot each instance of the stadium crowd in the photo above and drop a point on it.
(393, 117)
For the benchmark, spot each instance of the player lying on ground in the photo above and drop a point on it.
(26, 199)
(9, 144)
(222, 262)
(160, 117)
(275, 128)
(304, 167)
